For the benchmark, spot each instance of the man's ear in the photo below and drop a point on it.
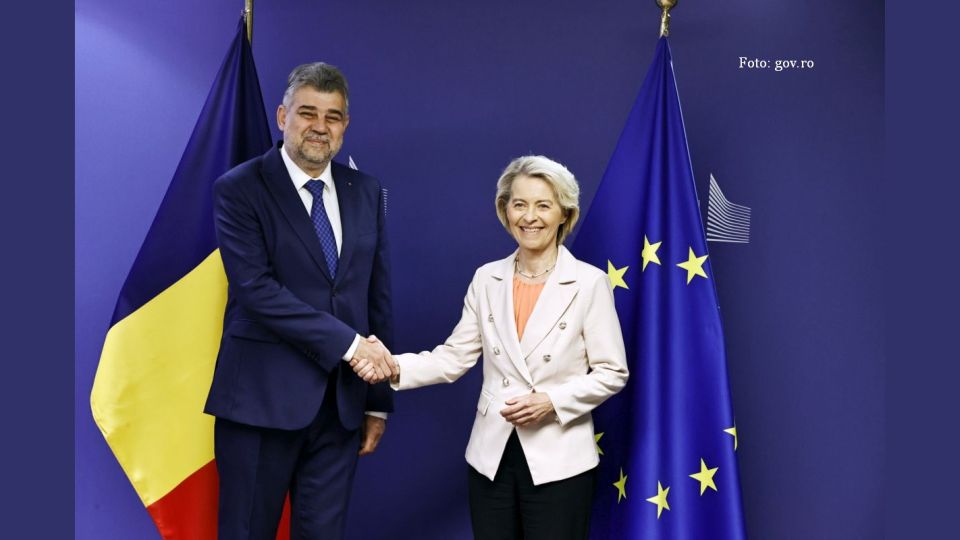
(281, 117)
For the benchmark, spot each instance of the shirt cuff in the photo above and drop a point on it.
(353, 348)
(376, 414)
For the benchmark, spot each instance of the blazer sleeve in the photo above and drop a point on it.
(605, 354)
(380, 309)
(449, 361)
(321, 336)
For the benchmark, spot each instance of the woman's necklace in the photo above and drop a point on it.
(516, 266)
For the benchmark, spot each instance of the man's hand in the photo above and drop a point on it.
(372, 361)
(528, 409)
(371, 430)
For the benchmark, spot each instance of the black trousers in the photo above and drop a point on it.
(512, 508)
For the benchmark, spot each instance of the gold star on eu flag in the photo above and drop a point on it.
(732, 431)
(649, 253)
(705, 477)
(621, 486)
(615, 275)
(660, 499)
(596, 441)
(693, 265)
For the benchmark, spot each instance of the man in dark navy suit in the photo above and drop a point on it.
(305, 251)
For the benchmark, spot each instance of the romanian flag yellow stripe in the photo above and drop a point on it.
(153, 377)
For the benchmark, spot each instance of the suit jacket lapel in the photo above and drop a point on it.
(559, 290)
(280, 186)
(349, 212)
(500, 296)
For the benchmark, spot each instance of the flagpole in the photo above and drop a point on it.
(248, 18)
(666, 6)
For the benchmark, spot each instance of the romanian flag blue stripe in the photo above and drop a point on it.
(226, 134)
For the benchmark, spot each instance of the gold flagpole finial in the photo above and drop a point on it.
(666, 6)
(248, 18)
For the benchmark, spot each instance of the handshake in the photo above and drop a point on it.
(373, 363)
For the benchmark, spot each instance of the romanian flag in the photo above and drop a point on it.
(667, 441)
(159, 353)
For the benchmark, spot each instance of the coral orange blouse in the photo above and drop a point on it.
(524, 299)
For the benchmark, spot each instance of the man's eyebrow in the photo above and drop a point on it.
(314, 108)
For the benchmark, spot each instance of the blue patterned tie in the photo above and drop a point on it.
(321, 223)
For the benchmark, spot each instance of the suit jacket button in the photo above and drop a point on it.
(563, 325)
(546, 358)
(496, 350)
(506, 381)
(490, 317)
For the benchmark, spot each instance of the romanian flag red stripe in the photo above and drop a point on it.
(184, 513)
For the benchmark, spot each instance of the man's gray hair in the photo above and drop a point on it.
(562, 181)
(320, 76)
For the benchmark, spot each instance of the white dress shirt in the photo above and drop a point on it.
(332, 206)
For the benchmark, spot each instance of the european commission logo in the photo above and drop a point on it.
(353, 165)
(726, 221)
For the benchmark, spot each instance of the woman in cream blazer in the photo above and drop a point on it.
(531, 452)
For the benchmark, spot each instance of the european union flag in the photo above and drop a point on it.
(668, 466)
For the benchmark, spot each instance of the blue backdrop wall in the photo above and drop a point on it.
(443, 96)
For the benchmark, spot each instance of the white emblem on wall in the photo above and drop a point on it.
(383, 190)
(726, 221)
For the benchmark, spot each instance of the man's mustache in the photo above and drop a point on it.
(316, 137)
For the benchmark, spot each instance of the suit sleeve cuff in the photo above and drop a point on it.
(376, 414)
(353, 348)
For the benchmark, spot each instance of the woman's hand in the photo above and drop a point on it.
(528, 409)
